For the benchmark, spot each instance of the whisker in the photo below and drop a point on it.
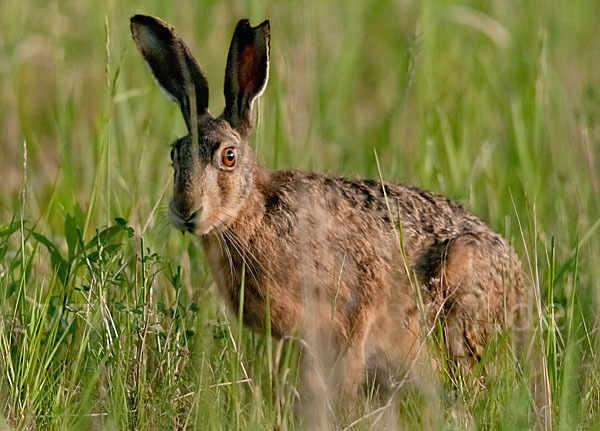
(224, 248)
(159, 227)
(249, 252)
(156, 206)
(226, 214)
(239, 249)
(246, 251)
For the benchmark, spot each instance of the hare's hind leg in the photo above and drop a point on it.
(475, 294)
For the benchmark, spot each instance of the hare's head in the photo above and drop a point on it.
(214, 165)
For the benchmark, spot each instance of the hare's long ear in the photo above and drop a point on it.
(171, 62)
(246, 74)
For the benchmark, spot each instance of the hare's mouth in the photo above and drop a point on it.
(185, 224)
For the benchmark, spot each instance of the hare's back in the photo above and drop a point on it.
(419, 213)
(368, 213)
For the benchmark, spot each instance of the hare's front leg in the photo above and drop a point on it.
(333, 364)
(352, 355)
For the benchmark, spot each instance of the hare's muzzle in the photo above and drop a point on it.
(182, 221)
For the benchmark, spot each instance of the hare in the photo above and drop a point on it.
(371, 265)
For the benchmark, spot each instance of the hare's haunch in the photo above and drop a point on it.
(369, 267)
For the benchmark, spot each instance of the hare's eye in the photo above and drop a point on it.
(228, 157)
(172, 154)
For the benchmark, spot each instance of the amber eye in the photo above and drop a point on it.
(228, 157)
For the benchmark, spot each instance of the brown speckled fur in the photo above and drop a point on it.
(337, 238)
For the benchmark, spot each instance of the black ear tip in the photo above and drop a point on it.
(148, 21)
(140, 19)
(265, 26)
(243, 23)
(151, 24)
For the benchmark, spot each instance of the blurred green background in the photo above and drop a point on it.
(495, 104)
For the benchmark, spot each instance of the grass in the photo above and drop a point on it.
(108, 318)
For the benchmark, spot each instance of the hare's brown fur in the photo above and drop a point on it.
(352, 259)
(335, 236)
